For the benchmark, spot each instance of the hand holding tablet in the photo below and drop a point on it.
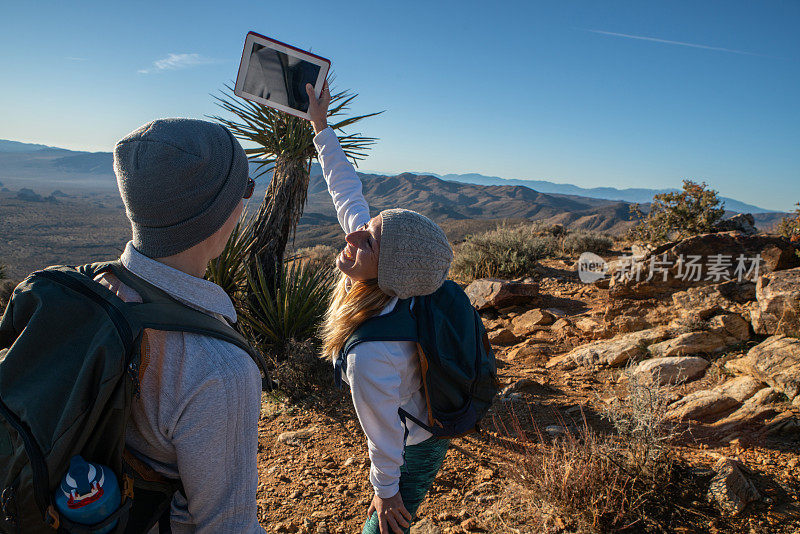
(275, 74)
(318, 107)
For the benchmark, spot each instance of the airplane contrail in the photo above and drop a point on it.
(680, 43)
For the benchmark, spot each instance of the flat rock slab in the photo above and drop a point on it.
(531, 321)
(756, 409)
(777, 310)
(741, 388)
(775, 361)
(611, 352)
(700, 342)
(701, 405)
(672, 370)
(488, 293)
(708, 300)
(731, 487)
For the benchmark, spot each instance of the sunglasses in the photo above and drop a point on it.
(248, 191)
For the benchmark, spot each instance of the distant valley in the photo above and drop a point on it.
(62, 206)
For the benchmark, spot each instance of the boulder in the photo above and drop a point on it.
(493, 293)
(530, 321)
(777, 310)
(731, 327)
(611, 352)
(721, 249)
(743, 223)
(673, 370)
(701, 405)
(731, 487)
(775, 361)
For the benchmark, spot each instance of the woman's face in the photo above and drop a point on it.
(359, 259)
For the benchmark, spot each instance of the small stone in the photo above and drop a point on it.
(731, 488)
(555, 430)
(292, 437)
(470, 524)
(349, 461)
(504, 336)
(425, 526)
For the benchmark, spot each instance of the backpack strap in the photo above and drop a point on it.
(160, 311)
(397, 325)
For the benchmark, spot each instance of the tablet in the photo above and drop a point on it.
(275, 74)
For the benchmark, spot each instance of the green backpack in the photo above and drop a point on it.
(69, 366)
(457, 364)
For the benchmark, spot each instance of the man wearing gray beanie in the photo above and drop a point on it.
(195, 418)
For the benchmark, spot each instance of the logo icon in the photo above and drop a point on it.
(591, 267)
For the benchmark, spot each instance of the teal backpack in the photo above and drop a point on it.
(70, 351)
(457, 365)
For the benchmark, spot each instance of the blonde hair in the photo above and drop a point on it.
(348, 309)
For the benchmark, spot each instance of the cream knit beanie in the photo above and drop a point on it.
(414, 255)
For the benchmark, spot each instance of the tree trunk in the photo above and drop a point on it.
(278, 217)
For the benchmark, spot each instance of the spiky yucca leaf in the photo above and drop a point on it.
(292, 309)
(229, 270)
(279, 134)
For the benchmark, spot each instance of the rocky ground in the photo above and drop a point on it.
(723, 355)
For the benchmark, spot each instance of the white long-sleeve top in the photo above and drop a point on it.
(383, 375)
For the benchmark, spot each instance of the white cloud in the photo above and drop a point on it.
(177, 61)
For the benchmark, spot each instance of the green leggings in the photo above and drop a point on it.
(422, 462)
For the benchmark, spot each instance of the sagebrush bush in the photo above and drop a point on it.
(581, 241)
(507, 252)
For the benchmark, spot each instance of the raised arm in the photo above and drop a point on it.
(344, 184)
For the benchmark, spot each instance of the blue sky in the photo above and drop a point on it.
(593, 93)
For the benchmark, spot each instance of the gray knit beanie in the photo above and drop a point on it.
(414, 255)
(180, 180)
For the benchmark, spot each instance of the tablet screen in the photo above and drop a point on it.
(276, 74)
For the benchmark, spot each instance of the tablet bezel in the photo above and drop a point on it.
(253, 37)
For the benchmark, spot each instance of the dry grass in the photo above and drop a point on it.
(586, 481)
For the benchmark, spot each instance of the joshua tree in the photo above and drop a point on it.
(285, 147)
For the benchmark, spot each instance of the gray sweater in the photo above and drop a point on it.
(197, 415)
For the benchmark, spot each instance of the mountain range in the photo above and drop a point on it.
(447, 199)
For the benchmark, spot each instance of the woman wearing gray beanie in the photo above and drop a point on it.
(395, 255)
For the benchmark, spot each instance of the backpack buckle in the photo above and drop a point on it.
(51, 518)
(6, 501)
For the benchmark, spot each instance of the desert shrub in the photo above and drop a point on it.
(291, 310)
(588, 482)
(583, 481)
(581, 241)
(692, 211)
(788, 227)
(640, 420)
(321, 255)
(507, 252)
